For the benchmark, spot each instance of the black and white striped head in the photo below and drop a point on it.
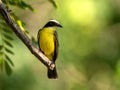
(53, 23)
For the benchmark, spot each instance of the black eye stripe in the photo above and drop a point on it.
(53, 23)
(50, 24)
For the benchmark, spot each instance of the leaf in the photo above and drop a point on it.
(1, 46)
(1, 60)
(53, 2)
(9, 51)
(8, 43)
(4, 1)
(13, 2)
(26, 5)
(34, 41)
(8, 37)
(20, 24)
(7, 30)
(19, 3)
(1, 64)
(1, 53)
(8, 68)
(1, 57)
(8, 59)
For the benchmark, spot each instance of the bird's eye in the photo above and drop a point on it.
(51, 23)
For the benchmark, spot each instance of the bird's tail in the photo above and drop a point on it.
(52, 74)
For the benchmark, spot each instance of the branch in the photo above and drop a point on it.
(23, 37)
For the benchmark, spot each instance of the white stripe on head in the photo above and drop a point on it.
(54, 21)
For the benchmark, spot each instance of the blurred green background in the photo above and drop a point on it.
(89, 55)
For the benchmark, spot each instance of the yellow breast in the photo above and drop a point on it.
(46, 42)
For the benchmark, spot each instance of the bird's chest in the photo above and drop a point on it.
(46, 41)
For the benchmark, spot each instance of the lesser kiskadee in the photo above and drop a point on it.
(48, 44)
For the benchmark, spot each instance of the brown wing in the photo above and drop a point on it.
(56, 46)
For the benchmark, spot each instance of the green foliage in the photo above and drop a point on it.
(34, 41)
(19, 3)
(6, 35)
(53, 2)
(6, 48)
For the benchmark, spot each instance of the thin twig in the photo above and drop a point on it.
(22, 36)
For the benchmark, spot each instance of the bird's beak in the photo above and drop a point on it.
(59, 25)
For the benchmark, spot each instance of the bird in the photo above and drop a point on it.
(48, 44)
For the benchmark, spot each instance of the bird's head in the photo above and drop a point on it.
(53, 23)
